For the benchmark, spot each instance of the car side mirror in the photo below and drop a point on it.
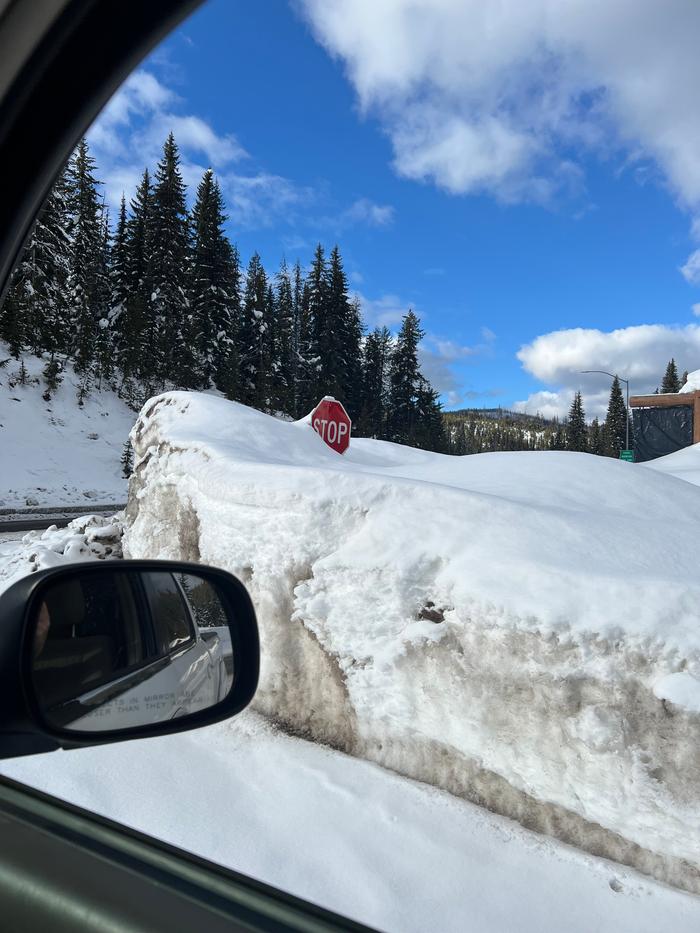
(110, 650)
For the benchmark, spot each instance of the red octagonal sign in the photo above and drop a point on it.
(331, 421)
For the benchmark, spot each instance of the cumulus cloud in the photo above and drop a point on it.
(696, 310)
(495, 97)
(128, 136)
(639, 354)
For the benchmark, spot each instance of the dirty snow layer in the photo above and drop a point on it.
(492, 624)
(352, 837)
(56, 452)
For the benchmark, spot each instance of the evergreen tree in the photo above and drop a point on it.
(375, 384)
(429, 425)
(104, 350)
(338, 332)
(576, 431)
(213, 291)
(85, 284)
(119, 270)
(671, 382)
(284, 381)
(315, 325)
(595, 438)
(127, 459)
(615, 422)
(304, 344)
(683, 379)
(167, 273)
(253, 338)
(404, 379)
(136, 331)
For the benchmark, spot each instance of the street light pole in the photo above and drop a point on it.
(602, 372)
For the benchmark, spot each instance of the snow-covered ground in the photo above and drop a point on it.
(346, 834)
(495, 625)
(90, 537)
(56, 453)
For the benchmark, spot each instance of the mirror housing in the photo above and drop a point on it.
(28, 723)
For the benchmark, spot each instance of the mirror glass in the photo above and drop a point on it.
(117, 648)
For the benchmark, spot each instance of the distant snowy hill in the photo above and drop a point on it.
(55, 452)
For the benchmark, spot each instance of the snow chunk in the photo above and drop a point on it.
(90, 537)
(555, 605)
(681, 689)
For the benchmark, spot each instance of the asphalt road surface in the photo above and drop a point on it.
(37, 519)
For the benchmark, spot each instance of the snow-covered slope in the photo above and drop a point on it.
(494, 625)
(55, 452)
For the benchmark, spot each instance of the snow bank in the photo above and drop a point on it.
(90, 537)
(56, 452)
(494, 625)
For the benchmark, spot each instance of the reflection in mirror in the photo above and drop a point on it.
(120, 648)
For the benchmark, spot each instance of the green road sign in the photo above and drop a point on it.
(627, 455)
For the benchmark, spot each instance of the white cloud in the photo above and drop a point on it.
(696, 310)
(495, 97)
(488, 335)
(387, 310)
(128, 136)
(639, 354)
(364, 211)
(545, 403)
(691, 270)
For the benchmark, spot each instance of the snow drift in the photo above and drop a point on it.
(503, 626)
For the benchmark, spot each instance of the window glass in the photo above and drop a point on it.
(204, 601)
(171, 622)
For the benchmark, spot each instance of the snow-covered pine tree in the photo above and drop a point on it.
(376, 359)
(338, 332)
(104, 349)
(85, 277)
(615, 422)
(253, 338)
(314, 325)
(429, 424)
(671, 382)
(285, 375)
(34, 313)
(403, 382)
(595, 438)
(119, 272)
(576, 430)
(167, 272)
(214, 289)
(305, 382)
(127, 459)
(136, 331)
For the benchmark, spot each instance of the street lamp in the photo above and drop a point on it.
(602, 372)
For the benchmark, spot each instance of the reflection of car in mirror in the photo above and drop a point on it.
(114, 650)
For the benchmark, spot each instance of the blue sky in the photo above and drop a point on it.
(536, 209)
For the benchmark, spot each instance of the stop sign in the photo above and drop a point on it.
(331, 421)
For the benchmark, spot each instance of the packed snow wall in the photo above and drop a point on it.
(521, 629)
